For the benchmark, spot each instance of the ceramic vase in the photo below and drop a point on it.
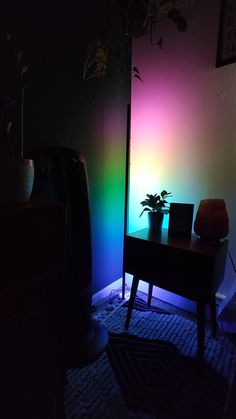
(16, 181)
(212, 222)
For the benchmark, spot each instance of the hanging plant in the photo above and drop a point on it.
(109, 57)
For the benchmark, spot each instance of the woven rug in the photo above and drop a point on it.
(152, 371)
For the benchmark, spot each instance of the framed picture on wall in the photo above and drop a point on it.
(226, 50)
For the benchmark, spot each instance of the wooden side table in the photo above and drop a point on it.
(186, 266)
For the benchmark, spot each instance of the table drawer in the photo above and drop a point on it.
(185, 273)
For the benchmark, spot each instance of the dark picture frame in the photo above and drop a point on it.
(226, 50)
(181, 218)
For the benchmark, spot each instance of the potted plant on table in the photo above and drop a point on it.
(157, 207)
(16, 172)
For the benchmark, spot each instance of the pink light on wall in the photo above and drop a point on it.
(166, 133)
(183, 119)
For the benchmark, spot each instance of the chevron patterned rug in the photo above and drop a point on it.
(152, 371)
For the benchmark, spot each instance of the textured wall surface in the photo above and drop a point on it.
(183, 134)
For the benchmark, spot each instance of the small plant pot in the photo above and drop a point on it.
(155, 220)
(16, 181)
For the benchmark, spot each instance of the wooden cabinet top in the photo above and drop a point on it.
(187, 243)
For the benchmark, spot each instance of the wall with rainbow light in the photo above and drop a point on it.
(91, 118)
(106, 165)
(183, 125)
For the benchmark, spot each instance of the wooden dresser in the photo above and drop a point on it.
(32, 310)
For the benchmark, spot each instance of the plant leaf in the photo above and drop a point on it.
(145, 209)
(137, 77)
(178, 19)
(163, 193)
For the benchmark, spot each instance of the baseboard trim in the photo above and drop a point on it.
(159, 293)
(106, 292)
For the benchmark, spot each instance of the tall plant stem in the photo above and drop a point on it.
(22, 123)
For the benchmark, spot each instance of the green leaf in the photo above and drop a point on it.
(163, 193)
(145, 202)
(156, 203)
(145, 209)
(137, 77)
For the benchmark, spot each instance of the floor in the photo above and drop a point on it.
(231, 402)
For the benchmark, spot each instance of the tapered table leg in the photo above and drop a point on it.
(213, 317)
(123, 286)
(150, 289)
(131, 301)
(200, 329)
